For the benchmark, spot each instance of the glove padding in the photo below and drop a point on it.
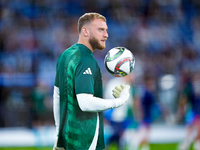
(117, 90)
(121, 94)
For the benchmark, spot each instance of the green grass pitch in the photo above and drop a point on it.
(171, 146)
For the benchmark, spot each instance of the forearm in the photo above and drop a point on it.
(87, 102)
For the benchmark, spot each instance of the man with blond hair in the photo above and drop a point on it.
(78, 92)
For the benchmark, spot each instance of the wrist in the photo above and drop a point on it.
(118, 102)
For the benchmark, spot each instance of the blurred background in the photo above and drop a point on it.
(164, 37)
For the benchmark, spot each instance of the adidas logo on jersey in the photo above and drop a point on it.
(87, 71)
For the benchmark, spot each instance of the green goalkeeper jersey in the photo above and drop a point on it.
(78, 72)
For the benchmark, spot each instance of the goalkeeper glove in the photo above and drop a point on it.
(117, 90)
(121, 94)
(57, 148)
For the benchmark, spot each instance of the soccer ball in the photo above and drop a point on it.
(119, 61)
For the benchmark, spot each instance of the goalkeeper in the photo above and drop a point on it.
(78, 102)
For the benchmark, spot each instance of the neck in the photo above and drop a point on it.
(86, 43)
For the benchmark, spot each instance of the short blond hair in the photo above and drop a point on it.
(87, 18)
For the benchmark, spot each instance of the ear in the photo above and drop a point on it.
(85, 31)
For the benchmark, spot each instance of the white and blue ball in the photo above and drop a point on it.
(119, 61)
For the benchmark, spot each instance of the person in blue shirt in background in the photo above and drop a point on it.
(146, 100)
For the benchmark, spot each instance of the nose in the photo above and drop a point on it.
(106, 34)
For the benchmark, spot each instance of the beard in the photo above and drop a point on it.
(95, 43)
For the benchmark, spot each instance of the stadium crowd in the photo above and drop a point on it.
(164, 36)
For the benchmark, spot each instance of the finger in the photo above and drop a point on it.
(122, 86)
(118, 88)
(116, 91)
(115, 95)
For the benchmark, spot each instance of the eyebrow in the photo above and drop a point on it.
(103, 28)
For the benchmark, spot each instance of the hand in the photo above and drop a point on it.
(117, 90)
(121, 94)
(57, 148)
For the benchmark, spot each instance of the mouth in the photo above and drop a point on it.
(103, 41)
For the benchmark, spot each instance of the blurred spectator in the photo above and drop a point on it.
(40, 105)
(146, 100)
(168, 97)
(189, 108)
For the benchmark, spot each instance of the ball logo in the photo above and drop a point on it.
(118, 54)
(123, 61)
